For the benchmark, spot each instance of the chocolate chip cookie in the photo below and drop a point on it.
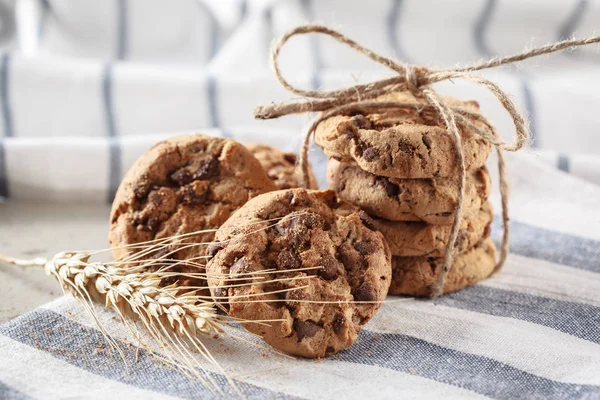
(281, 167)
(182, 185)
(407, 239)
(315, 265)
(414, 276)
(431, 200)
(400, 143)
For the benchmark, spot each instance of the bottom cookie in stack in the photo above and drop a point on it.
(418, 250)
(415, 276)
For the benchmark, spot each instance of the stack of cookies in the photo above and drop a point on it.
(398, 165)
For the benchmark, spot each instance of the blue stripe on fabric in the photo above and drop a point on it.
(392, 23)
(315, 48)
(211, 80)
(568, 28)
(243, 10)
(481, 44)
(267, 17)
(122, 29)
(215, 33)
(4, 192)
(7, 123)
(563, 163)
(576, 319)
(43, 22)
(211, 92)
(556, 247)
(4, 94)
(78, 345)
(115, 167)
(10, 393)
(480, 28)
(469, 371)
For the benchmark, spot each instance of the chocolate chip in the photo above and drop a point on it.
(182, 176)
(406, 147)
(290, 157)
(349, 258)
(207, 169)
(367, 220)
(239, 267)
(305, 329)
(365, 247)
(213, 249)
(427, 141)
(361, 121)
(152, 224)
(191, 197)
(370, 153)
(308, 221)
(329, 350)
(288, 260)
(365, 292)
(293, 231)
(156, 198)
(329, 270)
(141, 189)
(338, 323)
(390, 188)
(137, 218)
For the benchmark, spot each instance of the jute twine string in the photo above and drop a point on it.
(417, 80)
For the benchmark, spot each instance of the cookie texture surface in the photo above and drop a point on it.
(182, 185)
(309, 261)
(414, 276)
(409, 239)
(401, 143)
(431, 200)
(281, 167)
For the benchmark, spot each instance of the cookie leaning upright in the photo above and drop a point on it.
(182, 185)
(306, 260)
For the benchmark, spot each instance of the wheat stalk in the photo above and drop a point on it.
(175, 321)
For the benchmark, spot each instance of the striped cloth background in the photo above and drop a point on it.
(87, 86)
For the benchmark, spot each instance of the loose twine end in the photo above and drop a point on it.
(417, 80)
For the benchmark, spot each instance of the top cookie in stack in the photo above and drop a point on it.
(399, 166)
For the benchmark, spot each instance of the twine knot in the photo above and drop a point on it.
(417, 80)
(415, 76)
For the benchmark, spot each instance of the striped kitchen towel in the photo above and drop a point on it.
(532, 331)
(97, 75)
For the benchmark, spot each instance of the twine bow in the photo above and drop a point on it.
(417, 80)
